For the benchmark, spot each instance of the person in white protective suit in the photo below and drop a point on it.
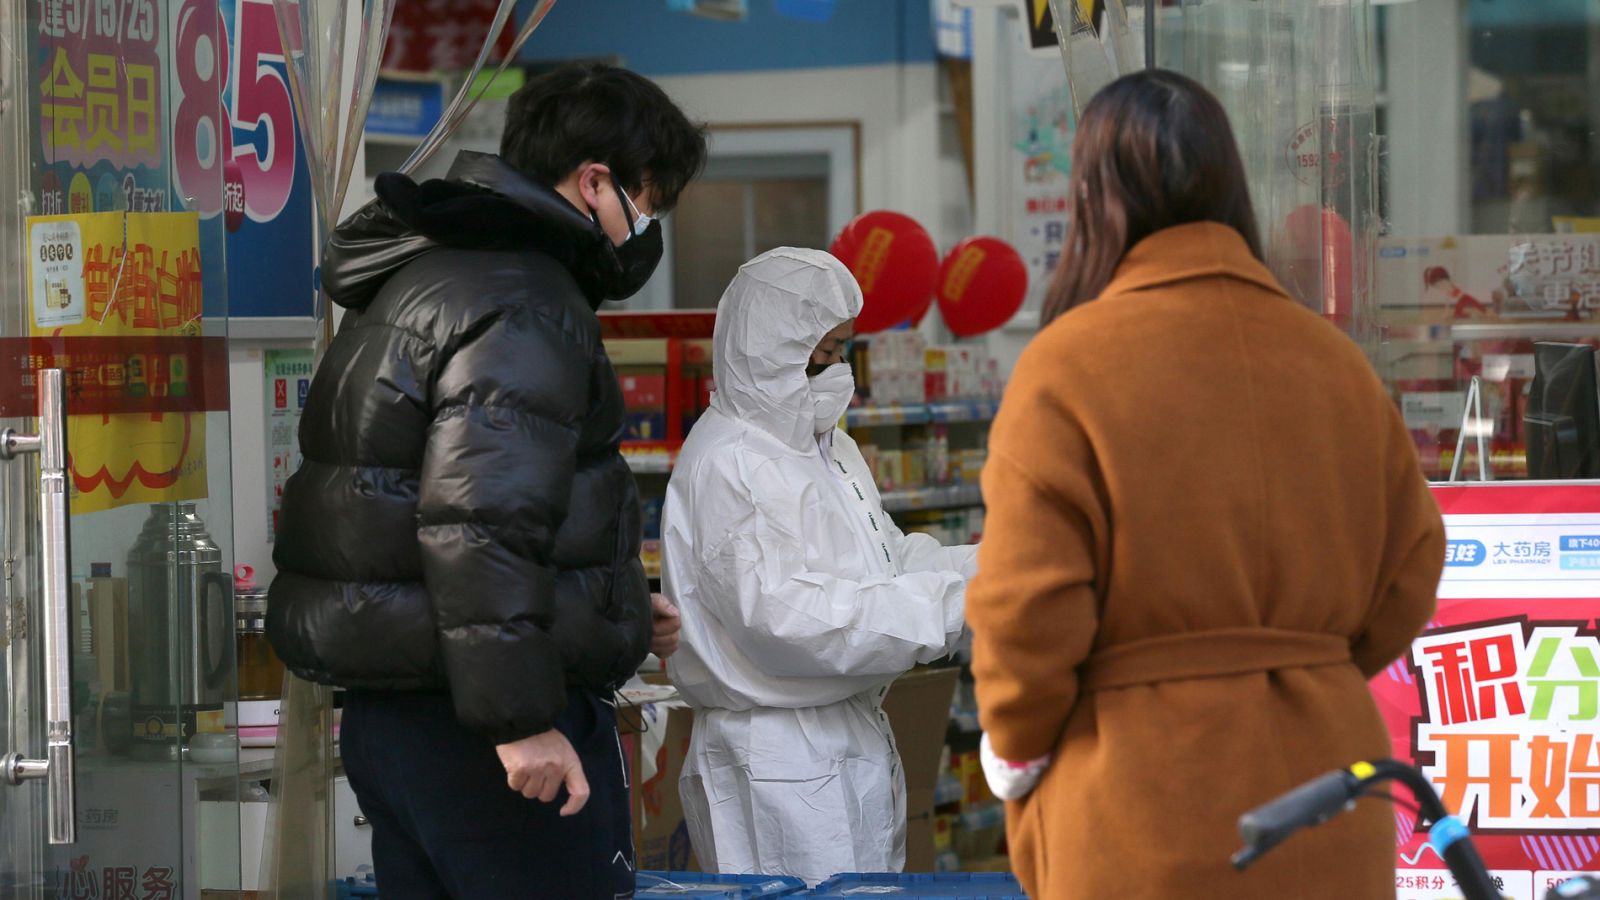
(801, 601)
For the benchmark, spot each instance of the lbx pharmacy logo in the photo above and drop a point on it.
(1463, 554)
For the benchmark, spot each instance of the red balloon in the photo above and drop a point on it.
(982, 284)
(895, 262)
(1323, 251)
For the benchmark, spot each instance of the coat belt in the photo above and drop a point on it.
(1210, 654)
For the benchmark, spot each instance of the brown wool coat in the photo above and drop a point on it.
(1207, 529)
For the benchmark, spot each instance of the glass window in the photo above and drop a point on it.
(741, 209)
(1487, 252)
(1427, 175)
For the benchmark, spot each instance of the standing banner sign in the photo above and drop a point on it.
(116, 302)
(1499, 700)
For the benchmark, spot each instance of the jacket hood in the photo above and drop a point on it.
(778, 308)
(483, 204)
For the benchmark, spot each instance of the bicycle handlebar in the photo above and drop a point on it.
(1319, 800)
(1309, 804)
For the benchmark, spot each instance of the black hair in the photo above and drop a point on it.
(583, 112)
(1153, 150)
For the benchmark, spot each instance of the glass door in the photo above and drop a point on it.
(115, 489)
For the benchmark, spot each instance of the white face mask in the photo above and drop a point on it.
(831, 392)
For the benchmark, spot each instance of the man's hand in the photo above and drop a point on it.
(664, 637)
(537, 767)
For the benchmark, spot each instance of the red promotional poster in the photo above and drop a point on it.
(1498, 701)
(442, 35)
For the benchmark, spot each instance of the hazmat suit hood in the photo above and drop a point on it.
(778, 308)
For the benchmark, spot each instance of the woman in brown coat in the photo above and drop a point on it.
(1207, 529)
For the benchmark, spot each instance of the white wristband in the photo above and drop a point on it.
(1009, 780)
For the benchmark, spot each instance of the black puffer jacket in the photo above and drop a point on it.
(463, 517)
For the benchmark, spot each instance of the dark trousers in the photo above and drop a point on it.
(445, 825)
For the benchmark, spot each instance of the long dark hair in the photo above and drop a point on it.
(1153, 150)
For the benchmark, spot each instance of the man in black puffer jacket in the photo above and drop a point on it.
(460, 548)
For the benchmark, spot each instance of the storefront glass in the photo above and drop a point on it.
(1427, 175)
(117, 687)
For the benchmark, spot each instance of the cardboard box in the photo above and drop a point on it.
(645, 426)
(636, 352)
(871, 456)
(697, 352)
(660, 835)
(936, 377)
(919, 713)
(891, 470)
(643, 390)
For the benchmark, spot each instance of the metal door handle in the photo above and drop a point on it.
(362, 821)
(57, 768)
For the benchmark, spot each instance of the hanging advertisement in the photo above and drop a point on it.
(101, 107)
(116, 301)
(1040, 127)
(287, 381)
(129, 119)
(1499, 700)
(266, 184)
(443, 35)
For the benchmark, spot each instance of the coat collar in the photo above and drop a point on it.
(1185, 253)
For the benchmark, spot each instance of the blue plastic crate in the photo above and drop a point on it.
(665, 885)
(950, 885)
(356, 888)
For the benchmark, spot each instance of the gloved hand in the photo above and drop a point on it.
(1010, 780)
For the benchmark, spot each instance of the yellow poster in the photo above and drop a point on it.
(1576, 224)
(116, 299)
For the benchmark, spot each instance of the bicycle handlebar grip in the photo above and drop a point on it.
(1311, 803)
(1452, 841)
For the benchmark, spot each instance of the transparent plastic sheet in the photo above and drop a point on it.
(1297, 79)
(466, 98)
(1100, 41)
(317, 33)
(297, 860)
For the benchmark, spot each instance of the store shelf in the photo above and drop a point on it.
(950, 412)
(948, 790)
(988, 815)
(962, 411)
(649, 463)
(1531, 329)
(886, 416)
(953, 497)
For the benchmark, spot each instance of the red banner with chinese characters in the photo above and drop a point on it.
(182, 374)
(1498, 700)
(686, 325)
(443, 35)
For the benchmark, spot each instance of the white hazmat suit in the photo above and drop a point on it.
(801, 600)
